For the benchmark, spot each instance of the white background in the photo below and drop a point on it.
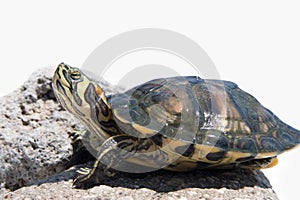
(255, 44)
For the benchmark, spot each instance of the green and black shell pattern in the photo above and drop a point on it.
(225, 117)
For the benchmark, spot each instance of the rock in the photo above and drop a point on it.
(34, 143)
(35, 149)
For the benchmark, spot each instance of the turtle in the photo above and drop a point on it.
(176, 123)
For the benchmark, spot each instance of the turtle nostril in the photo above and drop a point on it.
(61, 65)
(64, 66)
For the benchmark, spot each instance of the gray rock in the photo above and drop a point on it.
(232, 184)
(34, 143)
(35, 149)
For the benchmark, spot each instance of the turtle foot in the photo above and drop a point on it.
(87, 178)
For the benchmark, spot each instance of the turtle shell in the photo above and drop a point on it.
(205, 113)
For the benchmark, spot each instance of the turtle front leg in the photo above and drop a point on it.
(123, 153)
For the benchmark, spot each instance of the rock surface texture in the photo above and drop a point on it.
(35, 149)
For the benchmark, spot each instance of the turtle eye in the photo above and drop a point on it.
(75, 75)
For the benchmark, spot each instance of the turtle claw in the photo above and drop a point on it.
(87, 178)
(84, 181)
(79, 181)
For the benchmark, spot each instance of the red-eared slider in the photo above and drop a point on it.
(177, 123)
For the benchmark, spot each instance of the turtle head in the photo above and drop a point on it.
(80, 95)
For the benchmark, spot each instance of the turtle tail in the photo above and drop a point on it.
(289, 137)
